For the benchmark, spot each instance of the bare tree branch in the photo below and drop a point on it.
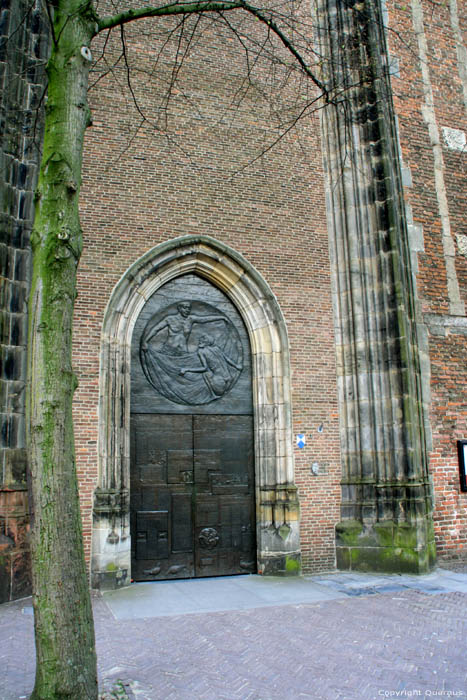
(165, 10)
(212, 6)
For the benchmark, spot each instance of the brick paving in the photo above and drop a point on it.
(403, 643)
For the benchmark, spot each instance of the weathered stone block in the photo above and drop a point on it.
(111, 579)
(386, 546)
(12, 362)
(22, 265)
(16, 466)
(18, 329)
(280, 564)
(20, 575)
(5, 576)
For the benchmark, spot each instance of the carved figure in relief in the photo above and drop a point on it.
(179, 326)
(214, 365)
(184, 365)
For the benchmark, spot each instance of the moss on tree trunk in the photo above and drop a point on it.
(65, 649)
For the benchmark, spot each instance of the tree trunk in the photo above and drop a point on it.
(65, 648)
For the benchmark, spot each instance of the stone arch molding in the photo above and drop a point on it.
(278, 549)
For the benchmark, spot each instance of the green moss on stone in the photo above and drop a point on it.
(387, 546)
(348, 532)
(406, 536)
(343, 561)
(384, 533)
(292, 566)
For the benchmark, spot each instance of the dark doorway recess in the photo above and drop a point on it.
(192, 455)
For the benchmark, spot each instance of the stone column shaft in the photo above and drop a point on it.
(386, 504)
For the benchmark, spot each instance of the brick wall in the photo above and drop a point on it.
(201, 179)
(449, 424)
(431, 108)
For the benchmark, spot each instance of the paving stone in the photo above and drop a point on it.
(352, 647)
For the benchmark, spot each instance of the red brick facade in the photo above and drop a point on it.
(437, 198)
(201, 164)
(272, 212)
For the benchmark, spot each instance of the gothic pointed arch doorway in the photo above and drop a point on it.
(132, 329)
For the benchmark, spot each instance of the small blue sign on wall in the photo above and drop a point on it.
(301, 440)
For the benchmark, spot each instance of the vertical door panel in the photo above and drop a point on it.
(224, 503)
(193, 507)
(161, 497)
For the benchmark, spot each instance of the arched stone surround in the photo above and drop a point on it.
(278, 548)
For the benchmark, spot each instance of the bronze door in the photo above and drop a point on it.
(192, 495)
(192, 470)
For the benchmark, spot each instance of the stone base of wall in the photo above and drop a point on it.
(288, 564)
(386, 546)
(15, 565)
(111, 557)
(110, 580)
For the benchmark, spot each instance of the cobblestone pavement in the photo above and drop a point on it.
(378, 641)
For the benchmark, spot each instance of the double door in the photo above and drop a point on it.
(192, 496)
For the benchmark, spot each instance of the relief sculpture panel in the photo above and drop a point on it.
(191, 357)
(190, 352)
